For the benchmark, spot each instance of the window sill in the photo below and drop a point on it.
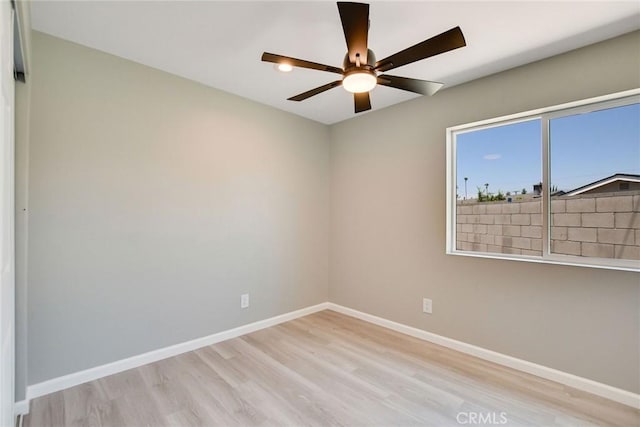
(606, 264)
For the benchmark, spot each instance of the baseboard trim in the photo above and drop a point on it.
(603, 390)
(580, 383)
(21, 407)
(81, 377)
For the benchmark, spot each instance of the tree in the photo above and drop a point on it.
(524, 191)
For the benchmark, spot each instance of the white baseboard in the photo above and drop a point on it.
(21, 407)
(584, 384)
(580, 383)
(76, 378)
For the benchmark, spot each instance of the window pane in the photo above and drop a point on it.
(498, 189)
(595, 183)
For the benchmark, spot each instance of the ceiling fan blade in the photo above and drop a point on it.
(280, 59)
(444, 42)
(422, 87)
(312, 92)
(355, 23)
(362, 101)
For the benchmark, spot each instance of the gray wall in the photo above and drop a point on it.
(22, 100)
(154, 203)
(23, 92)
(388, 228)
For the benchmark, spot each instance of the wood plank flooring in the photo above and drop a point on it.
(319, 370)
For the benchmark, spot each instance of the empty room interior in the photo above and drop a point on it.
(257, 213)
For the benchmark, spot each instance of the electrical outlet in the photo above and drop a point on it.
(244, 300)
(427, 305)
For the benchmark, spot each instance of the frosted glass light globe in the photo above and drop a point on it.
(359, 82)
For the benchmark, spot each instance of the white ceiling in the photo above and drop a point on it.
(219, 44)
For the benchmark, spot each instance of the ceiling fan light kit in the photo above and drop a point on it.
(359, 81)
(361, 72)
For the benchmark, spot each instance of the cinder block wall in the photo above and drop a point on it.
(602, 225)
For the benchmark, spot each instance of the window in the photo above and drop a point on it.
(558, 185)
(502, 166)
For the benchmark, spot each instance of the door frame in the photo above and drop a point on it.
(7, 215)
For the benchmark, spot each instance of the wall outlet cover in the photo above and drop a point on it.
(244, 300)
(427, 305)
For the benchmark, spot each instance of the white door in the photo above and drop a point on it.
(7, 272)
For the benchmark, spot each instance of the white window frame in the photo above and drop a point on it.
(544, 115)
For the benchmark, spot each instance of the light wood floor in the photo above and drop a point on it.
(323, 369)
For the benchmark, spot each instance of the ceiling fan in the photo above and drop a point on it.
(361, 71)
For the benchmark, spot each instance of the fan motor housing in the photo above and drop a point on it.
(370, 65)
